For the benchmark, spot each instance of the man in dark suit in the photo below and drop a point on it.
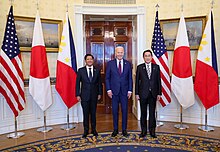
(148, 91)
(119, 88)
(89, 91)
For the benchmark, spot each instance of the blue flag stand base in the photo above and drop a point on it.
(15, 134)
(44, 128)
(68, 126)
(206, 128)
(181, 125)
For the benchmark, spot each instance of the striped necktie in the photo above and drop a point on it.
(148, 71)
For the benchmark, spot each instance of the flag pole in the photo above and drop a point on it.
(206, 128)
(158, 123)
(44, 128)
(68, 126)
(181, 125)
(16, 134)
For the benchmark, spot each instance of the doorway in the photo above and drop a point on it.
(101, 39)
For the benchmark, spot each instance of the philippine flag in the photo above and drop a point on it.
(66, 67)
(206, 77)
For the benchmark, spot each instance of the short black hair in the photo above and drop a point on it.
(85, 57)
(147, 51)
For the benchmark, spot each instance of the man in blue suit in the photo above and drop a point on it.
(119, 88)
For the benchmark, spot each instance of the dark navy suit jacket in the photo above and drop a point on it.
(89, 90)
(115, 81)
(144, 84)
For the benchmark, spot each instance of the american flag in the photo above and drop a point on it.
(11, 76)
(161, 58)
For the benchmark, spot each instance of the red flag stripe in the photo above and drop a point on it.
(19, 81)
(10, 72)
(18, 66)
(11, 105)
(163, 60)
(11, 76)
(166, 95)
(10, 95)
(9, 85)
(165, 81)
(14, 68)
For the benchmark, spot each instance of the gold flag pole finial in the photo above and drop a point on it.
(12, 1)
(37, 4)
(67, 6)
(182, 8)
(157, 6)
(212, 4)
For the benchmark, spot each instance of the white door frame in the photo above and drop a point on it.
(139, 11)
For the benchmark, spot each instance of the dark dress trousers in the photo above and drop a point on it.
(119, 84)
(88, 91)
(148, 89)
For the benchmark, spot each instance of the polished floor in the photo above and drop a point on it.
(104, 123)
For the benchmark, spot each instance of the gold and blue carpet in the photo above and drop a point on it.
(165, 142)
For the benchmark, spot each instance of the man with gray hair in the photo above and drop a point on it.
(119, 88)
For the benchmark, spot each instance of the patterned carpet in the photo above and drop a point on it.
(105, 143)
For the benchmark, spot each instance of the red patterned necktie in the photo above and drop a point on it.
(119, 67)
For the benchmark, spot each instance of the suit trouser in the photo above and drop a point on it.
(89, 108)
(123, 100)
(151, 101)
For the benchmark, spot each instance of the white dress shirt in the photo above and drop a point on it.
(87, 68)
(148, 64)
(121, 64)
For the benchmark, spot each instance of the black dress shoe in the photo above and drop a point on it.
(152, 133)
(94, 132)
(114, 133)
(143, 134)
(85, 134)
(124, 133)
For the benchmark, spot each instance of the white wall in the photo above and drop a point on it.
(32, 115)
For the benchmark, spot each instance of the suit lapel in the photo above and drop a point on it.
(94, 73)
(124, 66)
(116, 67)
(152, 70)
(145, 70)
(86, 73)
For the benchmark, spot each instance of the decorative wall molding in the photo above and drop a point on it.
(32, 115)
